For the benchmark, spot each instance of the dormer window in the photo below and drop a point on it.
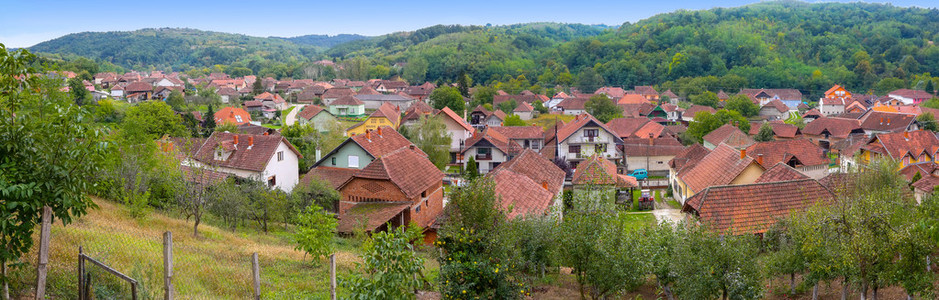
(238, 119)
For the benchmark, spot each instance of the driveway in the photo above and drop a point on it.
(291, 118)
(663, 212)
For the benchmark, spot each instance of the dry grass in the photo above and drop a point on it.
(547, 120)
(214, 265)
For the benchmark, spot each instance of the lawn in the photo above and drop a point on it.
(546, 120)
(272, 126)
(638, 220)
(215, 265)
(287, 111)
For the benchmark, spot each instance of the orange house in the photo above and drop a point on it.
(837, 92)
(232, 115)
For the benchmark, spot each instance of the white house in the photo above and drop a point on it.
(457, 128)
(489, 149)
(267, 158)
(581, 138)
(831, 106)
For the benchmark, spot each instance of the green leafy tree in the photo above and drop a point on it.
(447, 96)
(472, 169)
(49, 154)
(176, 100)
(228, 203)
(743, 105)
(315, 230)
(603, 108)
(514, 120)
(589, 80)
(431, 136)
(931, 103)
(928, 122)
(705, 122)
(889, 84)
(484, 94)
(508, 106)
(79, 93)
(416, 70)
(710, 266)
(765, 134)
(463, 83)
(314, 192)
(930, 88)
(303, 137)
(209, 124)
(257, 87)
(539, 107)
(151, 120)
(393, 268)
(706, 98)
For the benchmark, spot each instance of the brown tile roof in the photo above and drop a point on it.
(367, 91)
(780, 172)
(310, 111)
(335, 177)
(799, 151)
(524, 107)
(688, 157)
(754, 208)
(677, 128)
(495, 139)
(139, 86)
(835, 127)
(307, 95)
(838, 183)
(899, 144)
(337, 92)
(381, 142)
(625, 127)
(519, 195)
(812, 113)
(406, 168)
(520, 132)
(498, 114)
(671, 95)
(924, 169)
(244, 157)
(632, 99)
(255, 129)
(695, 109)
(267, 96)
(645, 90)
(537, 167)
(778, 105)
(730, 135)
(662, 146)
(913, 94)
(446, 111)
(926, 184)
(573, 103)
(388, 111)
(600, 171)
(884, 121)
(719, 167)
(780, 129)
(374, 215)
(722, 95)
(347, 100)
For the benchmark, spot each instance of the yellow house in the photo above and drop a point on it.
(907, 148)
(387, 115)
(722, 166)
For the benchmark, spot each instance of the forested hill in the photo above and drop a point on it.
(175, 48)
(322, 40)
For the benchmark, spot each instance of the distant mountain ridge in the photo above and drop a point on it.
(322, 40)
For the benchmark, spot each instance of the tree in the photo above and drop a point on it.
(209, 124)
(151, 120)
(447, 96)
(889, 84)
(706, 98)
(192, 193)
(463, 83)
(507, 106)
(930, 88)
(49, 155)
(392, 266)
(514, 120)
(302, 137)
(176, 100)
(431, 136)
(766, 133)
(228, 202)
(539, 107)
(472, 169)
(710, 266)
(705, 122)
(416, 70)
(928, 122)
(78, 91)
(313, 192)
(257, 87)
(484, 94)
(602, 108)
(589, 81)
(743, 105)
(315, 230)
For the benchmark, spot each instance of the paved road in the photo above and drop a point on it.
(292, 116)
(663, 212)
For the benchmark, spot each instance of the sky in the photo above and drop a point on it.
(24, 23)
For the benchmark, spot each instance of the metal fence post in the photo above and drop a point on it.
(168, 266)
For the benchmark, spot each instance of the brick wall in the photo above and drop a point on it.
(361, 189)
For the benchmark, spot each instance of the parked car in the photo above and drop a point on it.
(640, 174)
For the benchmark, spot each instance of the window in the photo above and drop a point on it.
(280, 155)
(600, 148)
(424, 194)
(535, 144)
(483, 151)
(271, 181)
(417, 209)
(591, 132)
(573, 149)
(333, 160)
(353, 161)
(238, 119)
(374, 121)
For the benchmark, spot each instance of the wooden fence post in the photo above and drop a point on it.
(332, 276)
(257, 275)
(42, 266)
(168, 266)
(81, 274)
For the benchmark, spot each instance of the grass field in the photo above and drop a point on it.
(215, 265)
(546, 120)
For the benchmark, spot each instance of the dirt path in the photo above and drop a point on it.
(292, 116)
(663, 212)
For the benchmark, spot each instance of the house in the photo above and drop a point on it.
(826, 131)
(672, 112)
(271, 101)
(905, 147)
(837, 92)
(528, 137)
(683, 161)
(800, 154)
(478, 116)
(335, 93)
(729, 135)
(519, 99)
(457, 128)
(529, 185)
(908, 96)
(925, 186)
(358, 151)
(754, 208)
(253, 106)
(762, 96)
(774, 110)
(320, 118)
(694, 109)
(396, 189)
(376, 101)
(347, 107)
(831, 106)
(811, 115)
(672, 97)
(722, 166)
(596, 179)
(781, 130)
(524, 111)
(140, 87)
(647, 92)
(117, 91)
(227, 94)
(232, 115)
(651, 154)
(874, 122)
(267, 158)
(386, 115)
(415, 112)
(421, 92)
(495, 118)
(637, 128)
(391, 86)
(633, 99)
(572, 106)
(580, 139)
(611, 92)
(489, 149)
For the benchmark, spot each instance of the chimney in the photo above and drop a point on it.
(888, 121)
(379, 131)
(544, 184)
(743, 153)
(412, 147)
(881, 120)
(236, 139)
(650, 139)
(906, 134)
(759, 158)
(368, 135)
(250, 141)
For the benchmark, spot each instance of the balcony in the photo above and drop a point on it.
(483, 157)
(590, 140)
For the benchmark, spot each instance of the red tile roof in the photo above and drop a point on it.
(799, 151)
(378, 144)
(730, 135)
(446, 111)
(228, 115)
(897, 145)
(780, 129)
(388, 111)
(695, 109)
(367, 91)
(645, 90)
(754, 208)
(924, 169)
(662, 146)
(139, 86)
(267, 96)
(519, 195)
(688, 157)
(632, 99)
(835, 127)
(524, 107)
(244, 155)
(719, 167)
(520, 132)
(780, 172)
(912, 94)
(310, 111)
(347, 100)
(885, 121)
(536, 167)
(335, 177)
(407, 169)
(573, 103)
(337, 92)
(778, 105)
(493, 138)
(600, 171)
(926, 184)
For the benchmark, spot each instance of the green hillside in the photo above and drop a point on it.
(325, 41)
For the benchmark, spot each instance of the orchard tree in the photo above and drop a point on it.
(392, 267)
(151, 120)
(602, 108)
(50, 151)
(710, 266)
(315, 230)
